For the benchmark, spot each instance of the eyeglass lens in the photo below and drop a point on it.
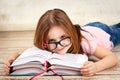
(64, 42)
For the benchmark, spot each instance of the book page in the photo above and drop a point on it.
(32, 54)
(68, 59)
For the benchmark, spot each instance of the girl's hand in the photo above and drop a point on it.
(7, 64)
(88, 69)
(10, 60)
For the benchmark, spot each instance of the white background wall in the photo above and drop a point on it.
(24, 14)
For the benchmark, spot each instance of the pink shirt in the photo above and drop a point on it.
(95, 36)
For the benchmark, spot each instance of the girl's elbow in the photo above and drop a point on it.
(116, 60)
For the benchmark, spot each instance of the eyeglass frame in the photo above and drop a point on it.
(59, 42)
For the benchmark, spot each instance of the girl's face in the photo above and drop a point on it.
(58, 40)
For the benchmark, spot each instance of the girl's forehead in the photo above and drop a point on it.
(56, 32)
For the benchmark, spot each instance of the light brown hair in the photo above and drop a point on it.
(57, 17)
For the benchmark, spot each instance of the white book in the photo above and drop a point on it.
(34, 60)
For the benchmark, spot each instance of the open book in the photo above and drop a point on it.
(34, 60)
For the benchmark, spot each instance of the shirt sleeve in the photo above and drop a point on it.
(89, 44)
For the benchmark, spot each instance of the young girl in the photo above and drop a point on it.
(56, 33)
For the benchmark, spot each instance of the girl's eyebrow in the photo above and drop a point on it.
(65, 35)
(52, 39)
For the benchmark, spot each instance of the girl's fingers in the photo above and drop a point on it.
(6, 68)
(86, 65)
(88, 68)
(7, 63)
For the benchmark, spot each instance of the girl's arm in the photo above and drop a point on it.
(107, 60)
